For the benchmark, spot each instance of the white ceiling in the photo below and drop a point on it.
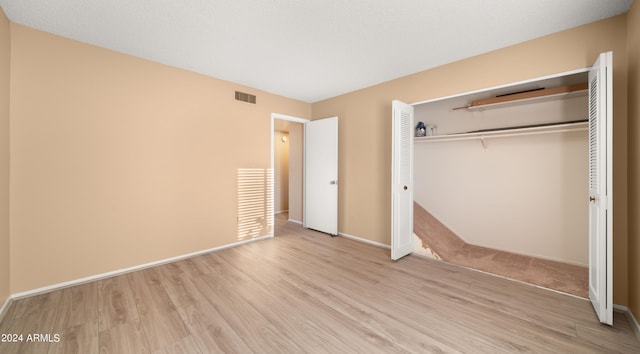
(306, 49)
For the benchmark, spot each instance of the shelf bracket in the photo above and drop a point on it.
(484, 142)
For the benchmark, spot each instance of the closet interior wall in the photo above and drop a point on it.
(296, 165)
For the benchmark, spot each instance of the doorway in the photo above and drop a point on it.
(287, 161)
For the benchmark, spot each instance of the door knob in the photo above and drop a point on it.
(333, 182)
(405, 188)
(592, 199)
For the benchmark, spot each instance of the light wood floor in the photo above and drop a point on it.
(307, 292)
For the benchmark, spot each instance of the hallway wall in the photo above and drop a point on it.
(281, 171)
(296, 164)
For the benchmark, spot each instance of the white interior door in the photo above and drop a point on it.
(321, 175)
(402, 180)
(600, 188)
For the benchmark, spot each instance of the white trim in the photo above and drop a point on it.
(295, 221)
(289, 118)
(275, 116)
(552, 76)
(634, 323)
(364, 240)
(5, 306)
(608, 56)
(281, 211)
(49, 288)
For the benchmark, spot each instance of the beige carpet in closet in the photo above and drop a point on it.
(568, 278)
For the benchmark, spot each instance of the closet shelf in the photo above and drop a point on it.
(509, 132)
(541, 95)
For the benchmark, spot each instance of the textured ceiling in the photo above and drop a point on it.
(306, 49)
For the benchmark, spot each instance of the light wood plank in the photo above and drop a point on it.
(79, 339)
(78, 305)
(211, 331)
(186, 345)
(127, 337)
(307, 292)
(116, 304)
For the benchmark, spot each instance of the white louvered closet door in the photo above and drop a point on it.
(600, 188)
(402, 180)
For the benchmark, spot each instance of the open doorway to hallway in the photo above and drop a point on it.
(287, 162)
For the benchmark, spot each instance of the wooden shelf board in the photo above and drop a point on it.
(528, 97)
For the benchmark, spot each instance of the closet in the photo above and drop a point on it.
(509, 179)
(506, 168)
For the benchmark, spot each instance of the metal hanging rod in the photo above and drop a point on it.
(482, 135)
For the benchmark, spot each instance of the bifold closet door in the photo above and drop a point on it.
(401, 180)
(600, 188)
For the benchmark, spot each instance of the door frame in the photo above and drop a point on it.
(292, 119)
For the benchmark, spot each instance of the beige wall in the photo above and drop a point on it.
(281, 171)
(5, 70)
(119, 161)
(365, 122)
(633, 42)
(296, 146)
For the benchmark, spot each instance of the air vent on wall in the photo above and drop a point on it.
(245, 97)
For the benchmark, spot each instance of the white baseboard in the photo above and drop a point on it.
(632, 319)
(364, 240)
(295, 221)
(114, 273)
(281, 211)
(4, 307)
